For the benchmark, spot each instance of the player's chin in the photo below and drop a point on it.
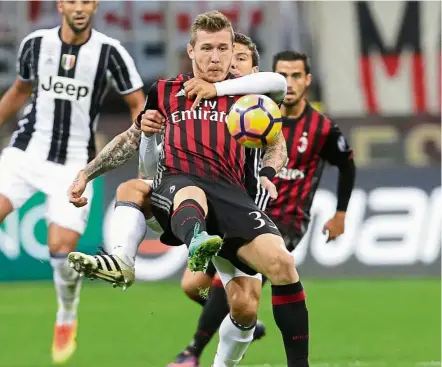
(214, 76)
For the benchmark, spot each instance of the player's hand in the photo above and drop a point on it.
(335, 226)
(199, 89)
(269, 186)
(152, 122)
(77, 189)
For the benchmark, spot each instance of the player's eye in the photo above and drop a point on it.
(223, 48)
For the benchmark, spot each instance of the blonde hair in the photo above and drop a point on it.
(210, 22)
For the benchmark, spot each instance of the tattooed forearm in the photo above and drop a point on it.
(115, 153)
(276, 154)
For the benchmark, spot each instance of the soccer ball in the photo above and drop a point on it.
(254, 121)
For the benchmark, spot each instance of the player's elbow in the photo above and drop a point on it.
(280, 83)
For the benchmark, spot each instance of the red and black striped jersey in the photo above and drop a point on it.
(196, 142)
(312, 139)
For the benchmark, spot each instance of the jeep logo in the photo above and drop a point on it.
(65, 88)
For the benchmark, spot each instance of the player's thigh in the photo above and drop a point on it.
(193, 282)
(16, 185)
(163, 202)
(59, 210)
(268, 255)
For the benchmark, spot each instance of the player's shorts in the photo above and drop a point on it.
(22, 176)
(227, 271)
(232, 215)
(291, 237)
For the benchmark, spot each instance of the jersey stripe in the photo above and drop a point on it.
(119, 70)
(99, 91)
(314, 130)
(62, 109)
(22, 137)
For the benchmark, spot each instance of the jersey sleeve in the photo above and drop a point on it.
(24, 60)
(123, 70)
(336, 149)
(151, 102)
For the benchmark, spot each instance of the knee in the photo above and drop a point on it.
(281, 269)
(244, 307)
(193, 193)
(132, 191)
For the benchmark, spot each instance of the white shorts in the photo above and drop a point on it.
(227, 271)
(22, 175)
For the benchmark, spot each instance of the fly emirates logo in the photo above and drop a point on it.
(206, 111)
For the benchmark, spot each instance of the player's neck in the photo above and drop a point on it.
(71, 38)
(294, 111)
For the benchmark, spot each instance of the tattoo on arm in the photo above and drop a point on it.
(275, 155)
(115, 153)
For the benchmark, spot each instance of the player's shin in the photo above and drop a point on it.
(214, 312)
(127, 231)
(234, 340)
(291, 316)
(67, 285)
(187, 218)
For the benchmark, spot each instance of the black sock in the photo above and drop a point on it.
(198, 299)
(214, 312)
(185, 217)
(291, 316)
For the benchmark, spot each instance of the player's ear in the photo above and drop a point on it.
(190, 51)
(255, 69)
(60, 6)
(308, 80)
(95, 6)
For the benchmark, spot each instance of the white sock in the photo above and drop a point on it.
(127, 231)
(233, 343)
(67, 286)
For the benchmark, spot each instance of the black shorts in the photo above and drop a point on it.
(233, 215)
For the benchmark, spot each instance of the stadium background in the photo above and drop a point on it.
(374, 294)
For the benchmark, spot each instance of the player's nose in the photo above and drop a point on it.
(215, 56)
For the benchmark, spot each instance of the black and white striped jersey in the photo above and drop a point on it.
(69, 85)
(251, 181)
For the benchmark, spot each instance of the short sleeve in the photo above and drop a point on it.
(151, 102)
(24, 60)
(123, 70)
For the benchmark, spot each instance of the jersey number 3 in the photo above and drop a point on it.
(258, 217)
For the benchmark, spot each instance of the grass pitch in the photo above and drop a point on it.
(354, 323)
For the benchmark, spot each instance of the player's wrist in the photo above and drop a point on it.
(218, 89)
(268, 172)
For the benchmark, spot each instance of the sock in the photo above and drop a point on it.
(127, 231)
(201, 301)
(185, 217)
(291, 316)
(233, 342)
(214, 312)
(67, 287)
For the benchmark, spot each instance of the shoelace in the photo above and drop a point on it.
(196, 231)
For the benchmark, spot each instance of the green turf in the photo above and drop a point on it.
(357, 323)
